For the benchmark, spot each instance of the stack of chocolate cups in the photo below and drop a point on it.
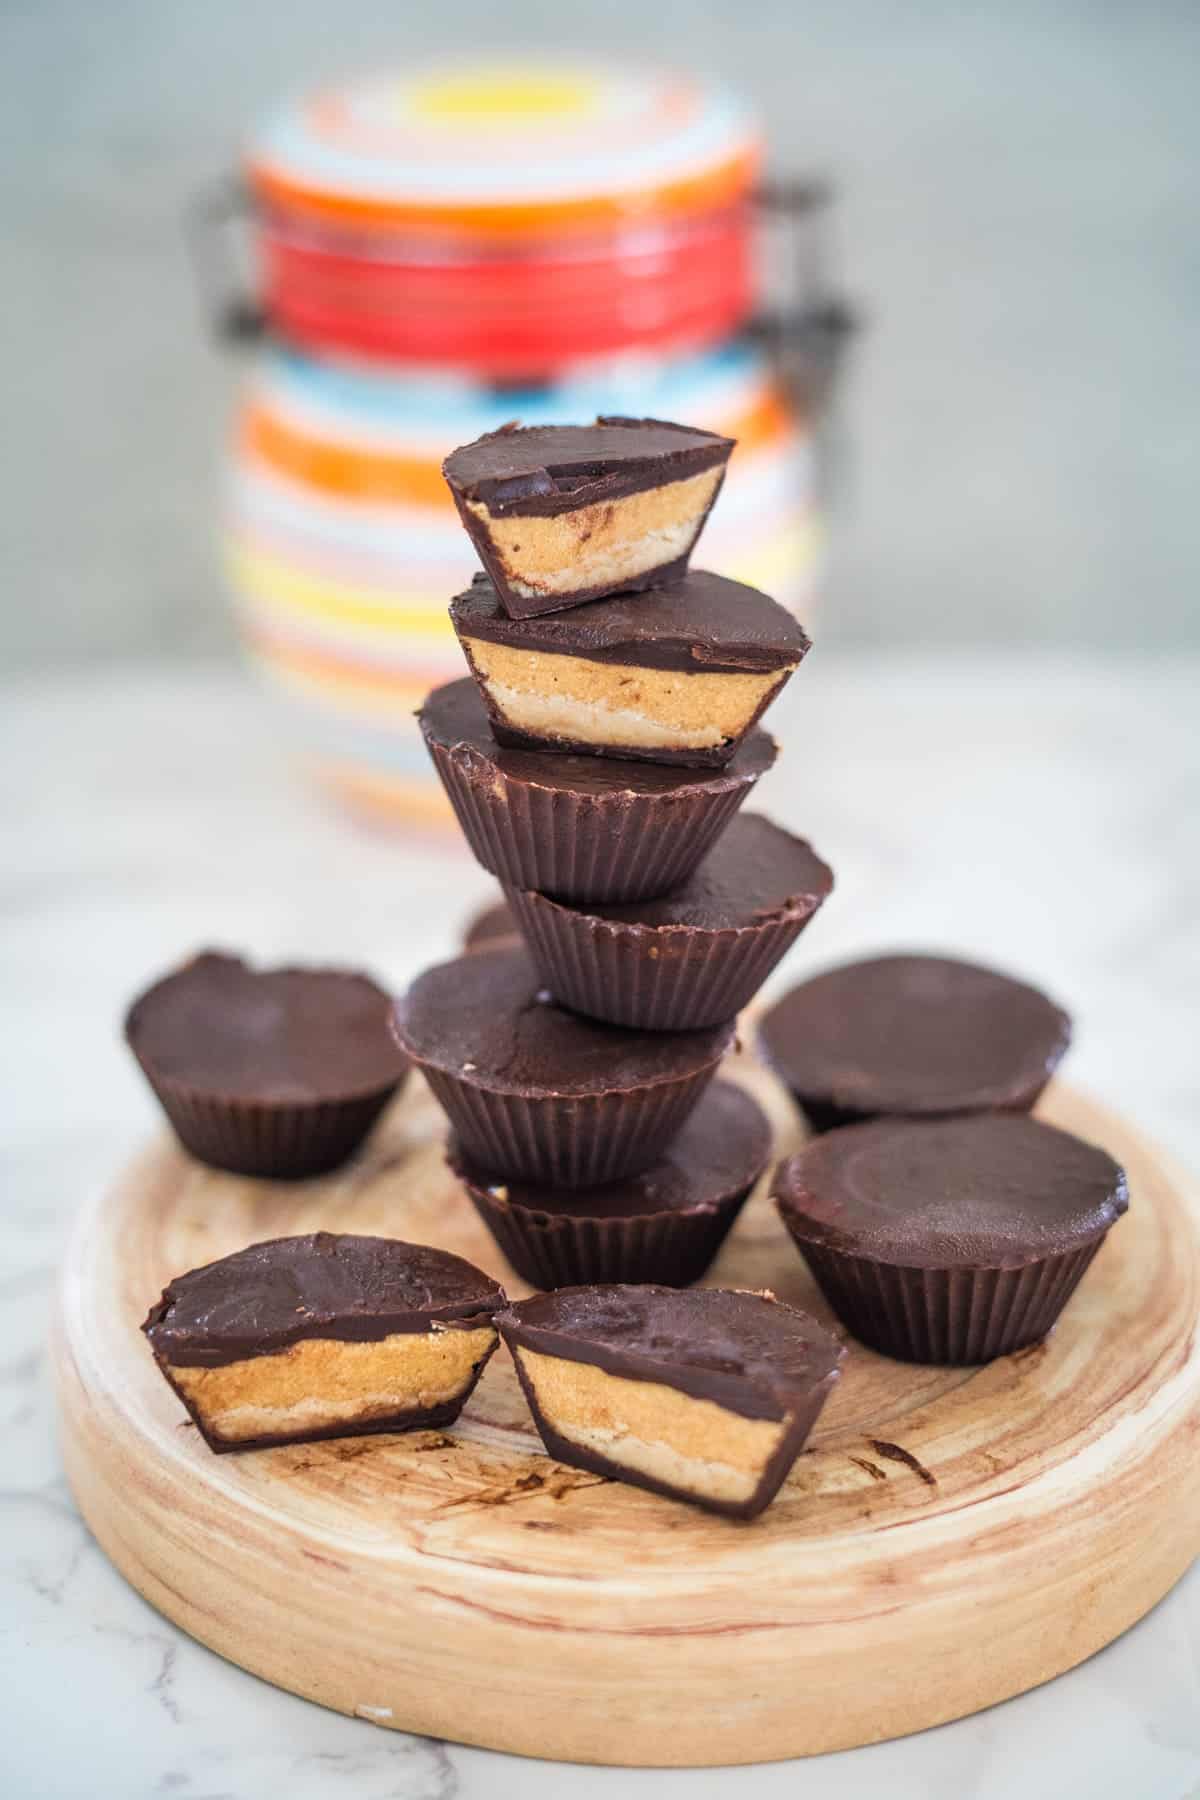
(597, 758)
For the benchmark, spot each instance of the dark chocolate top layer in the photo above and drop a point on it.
(721, 1150)
(356, 1289)
(700, 622)
(755, 873)
(455, 717)
(994, 1191)
(536, 470)
(915, 1034)
(287, 1035)
(748, 1352)
(486, 1019)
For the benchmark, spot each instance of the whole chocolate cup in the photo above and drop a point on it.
(966, 1288)
(626, 1238)
(578, 827)
(681, 967)
(311, 1113)
(535, 1093)
(912, 1036)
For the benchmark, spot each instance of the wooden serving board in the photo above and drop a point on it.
(950, 1538)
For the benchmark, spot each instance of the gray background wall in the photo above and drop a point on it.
(1019, 216)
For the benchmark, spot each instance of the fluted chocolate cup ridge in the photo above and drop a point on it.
(273, 1140)
(574, 1140)
(951, 1315)
(664, 978)
(548, 1249)
(563, 831)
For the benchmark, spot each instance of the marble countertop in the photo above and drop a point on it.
(1037, 812)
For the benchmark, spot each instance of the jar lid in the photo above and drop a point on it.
(506, 149)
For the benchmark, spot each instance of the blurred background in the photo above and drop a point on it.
(1016, 219)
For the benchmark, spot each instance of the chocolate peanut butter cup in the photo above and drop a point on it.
(537, 1093)
(693, 957)
(270, 1072)
(665, 1225)
(705, 1395)
(913, 1036)
(324, 1336)
(564, 513)
(678, 674)
(949, 1240)
(582, 828)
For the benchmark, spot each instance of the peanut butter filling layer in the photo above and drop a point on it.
(324, 1381)
(603, 544)
(690, 1444)
(609, 703)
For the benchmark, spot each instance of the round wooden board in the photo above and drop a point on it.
(950, 1538)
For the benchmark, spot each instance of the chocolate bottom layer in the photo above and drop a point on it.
(948, 1316)
(281, 1141)
(575, 1141)
(673, 1249)
(715, 757)
(678, 979)
(422, 1419)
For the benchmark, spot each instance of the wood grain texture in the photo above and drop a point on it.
(950, 1538)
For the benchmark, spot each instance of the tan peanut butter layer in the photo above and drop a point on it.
(654, 1429)
(602, 544)
(321, 1382)
(677, 672)
(585, 701)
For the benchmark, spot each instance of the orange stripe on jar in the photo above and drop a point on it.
(339, 468)
(355, 474)
(708, 190)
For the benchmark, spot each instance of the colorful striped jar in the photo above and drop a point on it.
(509, 220)
(440, 254)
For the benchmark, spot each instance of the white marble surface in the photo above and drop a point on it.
(1040, 813)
